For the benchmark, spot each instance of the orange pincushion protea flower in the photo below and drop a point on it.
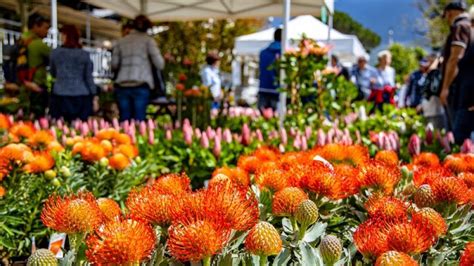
(197, 240)
(321, 180)
(388, 157)
(18, 153)
(248, 163)
(121, 242)
(386, 208)
(370, 237)
(410, 237)
(450, 190)
(266, 154)
(236, 175)
(379, 176)
(456, 163)
(348, 175)
(286, 201)
(263, 240)
(109, 208)
(151, 206)
(72, 214)
(467, 257)
(235, 206)
(468, 179)
(22, 130)
(274, 179)
(129, 150)
(337, 153)
(4, 168)
(431, 217)
(426, 175)
(119, 161)
(188, 207)
(40, 163)
(3, 191)
(40, 139)
(173, 184)
(395, 258)
(426, 159)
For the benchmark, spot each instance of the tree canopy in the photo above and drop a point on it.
(346, 24)
(405, 60)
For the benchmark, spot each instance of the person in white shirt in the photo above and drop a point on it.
(383, 85)
(210, 78)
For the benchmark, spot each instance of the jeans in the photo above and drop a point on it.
(132, 102)
(71, 107)
(463, 125)
(268, 100)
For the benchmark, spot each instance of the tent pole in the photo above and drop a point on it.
(284, 46)
(54, 23)
(330, 27)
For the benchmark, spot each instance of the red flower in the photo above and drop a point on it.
(121, 242)
(467, 258)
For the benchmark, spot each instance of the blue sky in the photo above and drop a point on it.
(380, 15)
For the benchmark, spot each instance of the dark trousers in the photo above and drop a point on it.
(38, 103)
(463, 125)
(132, 102)
(71, 107)
(268, 100)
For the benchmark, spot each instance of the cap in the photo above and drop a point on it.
(455, 5)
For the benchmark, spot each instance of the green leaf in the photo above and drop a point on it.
(308, 254)
(314, 232)
(283, 258)
(287, 225)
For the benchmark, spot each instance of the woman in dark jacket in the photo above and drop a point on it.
(74, 88)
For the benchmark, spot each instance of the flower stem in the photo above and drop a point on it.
(206, 261)
(263, 260)
(302, 231)
(294, 224)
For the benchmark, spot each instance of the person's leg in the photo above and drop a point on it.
(84, 107)
(124, 103)
(140, 99)
(463, 125)
(38, 103)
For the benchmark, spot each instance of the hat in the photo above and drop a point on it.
(455, 5)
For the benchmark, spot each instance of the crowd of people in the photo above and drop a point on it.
(442, 89)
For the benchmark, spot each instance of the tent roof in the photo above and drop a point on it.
(167, 10)
(66, 15)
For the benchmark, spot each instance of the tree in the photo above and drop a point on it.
(346, 24)
(437, 27)
(405, 60)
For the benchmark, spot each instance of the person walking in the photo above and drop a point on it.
(458, 65)
(210, 78)
(74, 88)
(37, 57)
(363, 76)
(416, 83)
(268, 95)
(133, 59)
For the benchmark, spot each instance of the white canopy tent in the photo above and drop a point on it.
(347, 47)
(166, 10)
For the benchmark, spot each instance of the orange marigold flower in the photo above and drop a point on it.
(22, 130)
(121, 242)
(173, 184)
(151, 206)
(395, 258)
(286, 201)
(129, 150)
(107, 145)
(431, 217)
(106, 134)
(3, 191)
(72, 214)
(109, 208)
(248, 163)
(122, 138)
(119, 161)
(40, 163)
(426, 175)
(197, 240)
(388, 157)
(410, 237)
(4, 122)
(40, 139)
(236, 175)
(263, 240)
(370, 237)
(379, 176)
(274, 179)
(5, 168)
(387, 208)
(450, 190)
(55, 146)
(467, 257)
(426, 159)
(235, 206)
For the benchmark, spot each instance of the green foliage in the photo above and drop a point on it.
(405, 60)
(346, 24)
(437, 27)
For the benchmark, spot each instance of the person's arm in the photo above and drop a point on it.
(451, 71)
(88, 77)
(155, 55)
